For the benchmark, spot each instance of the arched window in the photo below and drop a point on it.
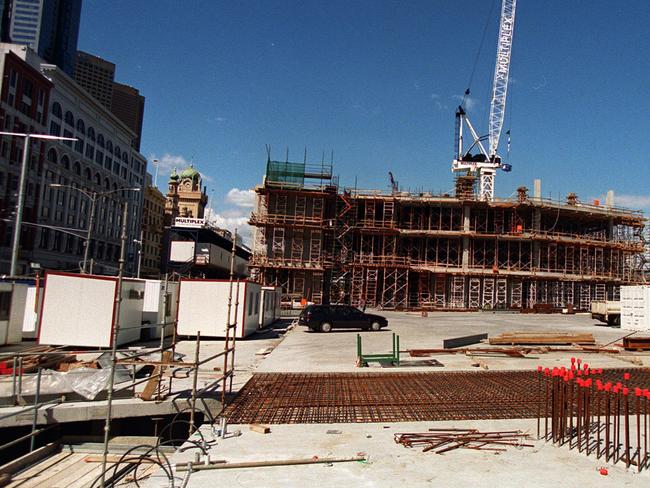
(81, 127)
(91, 134)
(107, 183)
(125, 158)
(56, 110)
(98, 179)
(100, 140)
(118, 152)
(51, 156)
(69, 118)
(87, 174)
(65, 161)
(77, 167)
(109, 146)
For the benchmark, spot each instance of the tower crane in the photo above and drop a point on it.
(486, 162)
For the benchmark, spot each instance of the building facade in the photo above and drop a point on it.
(96, 76)
(153, 215)
(128, 106)
(49, 27)
(102, 161)
(185, 196)
(401, 250)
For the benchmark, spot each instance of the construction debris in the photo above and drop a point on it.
(512, 338)
(463, 341)
(266, 464)
(441, 441)
(260, 429)
(636, 343)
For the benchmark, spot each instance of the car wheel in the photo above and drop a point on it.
(325, 327)
(375, 326)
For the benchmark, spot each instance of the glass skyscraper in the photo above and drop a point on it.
(49, 27)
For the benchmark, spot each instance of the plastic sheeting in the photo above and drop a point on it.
(87, 382)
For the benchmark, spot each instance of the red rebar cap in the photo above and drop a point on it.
(579, 372)
(563, 370)
(579, 361)
(616, 388)
(626, 390)
(626, 376)
(547, 371)
(599, 383)
(571, 375)
(573, 360)
(600, 370)
(579, 381)
(573, 367)
(588, 383)
(637, 391)
(539, 369)
(585, 366)
(603, 471)
(599, 386)
(608, 386)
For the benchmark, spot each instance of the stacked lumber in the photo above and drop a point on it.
(547, 338)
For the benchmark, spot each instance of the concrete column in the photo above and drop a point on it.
(466, 228)
(537, 220)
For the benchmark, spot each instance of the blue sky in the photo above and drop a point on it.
(377, 82)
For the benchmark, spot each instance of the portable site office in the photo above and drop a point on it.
(79, 310)
(13, 300)
(270, 305)
(203, 307)
(635, 308)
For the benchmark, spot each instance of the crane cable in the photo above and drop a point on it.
(478, 53)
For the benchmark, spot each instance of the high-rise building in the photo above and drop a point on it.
(95, 75)
(128, 106)
(49, 27)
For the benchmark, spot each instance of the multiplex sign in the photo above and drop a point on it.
(188, 222)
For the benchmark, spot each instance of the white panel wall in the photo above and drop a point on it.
(182, 251)
(77, 311)
(203, 306)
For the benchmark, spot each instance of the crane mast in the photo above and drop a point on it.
(485, 163)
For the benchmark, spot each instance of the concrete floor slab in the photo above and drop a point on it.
(390, 464)
(305, 351)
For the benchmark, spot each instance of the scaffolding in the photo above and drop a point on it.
(401, 250)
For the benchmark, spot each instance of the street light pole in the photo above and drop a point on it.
(19, 208)
(91, 221)
(13, 269)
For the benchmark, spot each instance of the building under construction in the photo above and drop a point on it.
(402, 250)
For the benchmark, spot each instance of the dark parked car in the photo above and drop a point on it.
(324, 318)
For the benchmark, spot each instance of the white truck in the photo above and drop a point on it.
(608, 311)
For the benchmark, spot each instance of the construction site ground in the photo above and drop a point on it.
(391, 464)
